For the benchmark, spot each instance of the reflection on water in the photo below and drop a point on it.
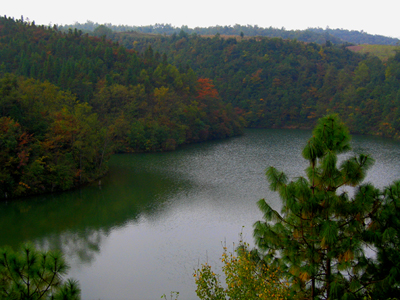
(156, 216)
(82, 245)
(78, 220)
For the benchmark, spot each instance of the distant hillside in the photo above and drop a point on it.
(238, 30)
(273, 82)
(73, 99)
(357, 37)
(315, 35)
(69, 100)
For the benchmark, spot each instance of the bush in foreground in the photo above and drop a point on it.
(245, 278)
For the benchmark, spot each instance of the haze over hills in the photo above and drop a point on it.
(317, 35)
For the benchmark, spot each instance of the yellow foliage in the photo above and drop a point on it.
(304, 276)
(245, 279)
(347, 256)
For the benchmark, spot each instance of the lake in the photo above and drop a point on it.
(156, 217)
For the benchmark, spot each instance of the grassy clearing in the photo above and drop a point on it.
(381, 51)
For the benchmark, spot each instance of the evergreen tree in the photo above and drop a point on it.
(384, 233)
(318, 240)
(30, 274)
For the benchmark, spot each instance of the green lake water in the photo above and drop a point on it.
(156, 217)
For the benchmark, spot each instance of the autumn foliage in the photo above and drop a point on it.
(206, 89)
(245, 279)
(68, 101)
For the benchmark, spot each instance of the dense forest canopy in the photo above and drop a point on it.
(129, 91)
(68, 101)
(285, 83)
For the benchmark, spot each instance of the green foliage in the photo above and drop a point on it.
(48, 140)
(32, 274)
(245, 278)
(102, 30)
(87, 98)
(272, 82)
(316, 35)
(384, 234)
(357, 37)
(320, 238)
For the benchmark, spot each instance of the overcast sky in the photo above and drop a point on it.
(374, 17)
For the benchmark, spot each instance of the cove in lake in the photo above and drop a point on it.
(156, 217)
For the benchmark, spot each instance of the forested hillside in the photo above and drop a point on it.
(68, 100)
(310, 35)
(357, 37)
(283, 83)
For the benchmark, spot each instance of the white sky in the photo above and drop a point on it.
(374, 17)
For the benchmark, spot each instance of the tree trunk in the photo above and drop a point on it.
(328, 275)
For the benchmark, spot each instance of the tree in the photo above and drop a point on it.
(384, 233)
(318, 240)
(16, 147)
(30, 274)
(102, 30)
(245, 277)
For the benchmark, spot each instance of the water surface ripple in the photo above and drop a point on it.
(157, 216)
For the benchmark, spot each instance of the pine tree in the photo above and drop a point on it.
(383, 273)
(318, 239)
(31, 274)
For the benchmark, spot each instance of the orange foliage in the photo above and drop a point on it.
(256, 76)
(206, 89)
